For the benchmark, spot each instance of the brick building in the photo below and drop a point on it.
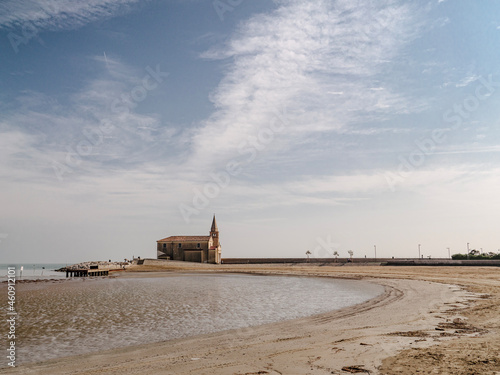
(201, 249)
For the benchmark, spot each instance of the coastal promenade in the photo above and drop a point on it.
(443, 320)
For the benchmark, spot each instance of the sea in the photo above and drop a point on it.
(59, 318)
(33, 271)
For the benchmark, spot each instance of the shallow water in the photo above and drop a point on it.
(89, 315)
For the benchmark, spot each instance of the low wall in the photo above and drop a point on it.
(300, 260)
(442, 262)
(359, 261)
(382, 261)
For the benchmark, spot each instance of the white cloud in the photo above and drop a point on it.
(302, 57)
(97, 130)
(15, 148)
(467, 80)
(343, 184)
(471, 149)
(58, 14)
(469, 184)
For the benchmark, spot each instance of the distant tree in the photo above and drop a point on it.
(351, 253)
(336, 254)
(476, 256)
(308, 253)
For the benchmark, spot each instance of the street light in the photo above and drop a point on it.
(375, 247)
(449, 254)
(467, 250)
(418, 251)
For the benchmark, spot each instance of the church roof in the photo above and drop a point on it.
(184, 239)
(214, 226)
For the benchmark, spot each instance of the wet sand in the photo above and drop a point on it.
(442, 320)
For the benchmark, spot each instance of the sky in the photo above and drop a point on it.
(302, 125)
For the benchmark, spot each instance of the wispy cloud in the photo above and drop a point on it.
(319, 60)
(465, 183)
(467, 80)
(98, 128)
(59, 14)
(473, 149)
(321, 65)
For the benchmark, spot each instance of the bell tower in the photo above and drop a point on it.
(214, 233)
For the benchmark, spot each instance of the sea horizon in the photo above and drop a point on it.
(33, 270)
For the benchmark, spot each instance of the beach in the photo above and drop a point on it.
(441, 320)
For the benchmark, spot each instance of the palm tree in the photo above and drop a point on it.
(351, 253)
(308, 253)
(335, 254)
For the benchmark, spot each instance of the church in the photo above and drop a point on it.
(201, 249)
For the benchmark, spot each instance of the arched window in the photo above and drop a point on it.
(180, 245)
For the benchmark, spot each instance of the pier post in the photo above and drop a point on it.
(86, 273)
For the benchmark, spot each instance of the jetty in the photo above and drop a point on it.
(86, 273)
(93, 268)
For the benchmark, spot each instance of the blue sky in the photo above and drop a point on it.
(322, 126)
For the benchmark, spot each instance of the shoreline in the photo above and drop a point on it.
(405, 321)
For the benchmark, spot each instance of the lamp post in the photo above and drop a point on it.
(449, 254)
(418, 251)
(375, 247)
(467, 250)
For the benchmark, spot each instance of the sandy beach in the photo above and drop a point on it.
(430, 320)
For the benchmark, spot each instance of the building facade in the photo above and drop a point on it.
(201, 249)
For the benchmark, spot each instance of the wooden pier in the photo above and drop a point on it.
(86, 273)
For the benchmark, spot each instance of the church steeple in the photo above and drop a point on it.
(214, 233)
(214, 226)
